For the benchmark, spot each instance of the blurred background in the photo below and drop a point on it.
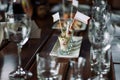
(115, 4)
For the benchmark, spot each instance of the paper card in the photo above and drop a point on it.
(81, 17)
(56, 17)
(75, 3)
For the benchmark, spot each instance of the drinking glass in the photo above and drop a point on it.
(3, 7)
(18, 31)
(100, 63)
(64, 45)
(100, 35)
(47, 68)
(77, 68)
(100, 39)
(65, 38)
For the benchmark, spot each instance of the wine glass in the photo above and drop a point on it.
(3, 7)
(18, 31)
(100, 34)
(100, 44)
(99, 54)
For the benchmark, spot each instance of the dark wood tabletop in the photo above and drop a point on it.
(43, 46)
(65, 69)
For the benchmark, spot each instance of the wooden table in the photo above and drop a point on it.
(43, 46)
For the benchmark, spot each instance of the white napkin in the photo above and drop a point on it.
(117, 71)
(115, 17)
(116, 53)
(116, 45)
(117, 30)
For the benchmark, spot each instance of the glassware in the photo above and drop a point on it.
(67, 43)
(65, 38)
(100, 39)
(3, 7)
(100, 63)
(18, 31)
(69, 8)
(64, 45)
(100, 34)
(48, 68)
(77, 68)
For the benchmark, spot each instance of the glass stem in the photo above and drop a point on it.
(100, 64)
(71, 13)
(19, 55)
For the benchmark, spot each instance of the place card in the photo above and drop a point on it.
(81, 17)
(75, 3)
(73, 54)
(56, 17)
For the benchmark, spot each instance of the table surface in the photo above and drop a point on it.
(43, 46)
(8, 57)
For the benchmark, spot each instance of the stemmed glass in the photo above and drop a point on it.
(18, 31)
(100, 34)
(3, 7)
(100, 45)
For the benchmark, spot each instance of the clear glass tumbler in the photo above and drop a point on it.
(77, 69)
(47, 68)
(100, 63)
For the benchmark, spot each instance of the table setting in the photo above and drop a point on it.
(16, 29)
(74, 53)
(91, 55)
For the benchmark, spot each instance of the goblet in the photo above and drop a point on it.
(100, 37)
(3, 7)
(18, 31)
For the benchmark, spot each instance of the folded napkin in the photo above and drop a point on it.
(116, 45)
(116, 53)
(117, 30)
(117, 71)
(115, 17)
